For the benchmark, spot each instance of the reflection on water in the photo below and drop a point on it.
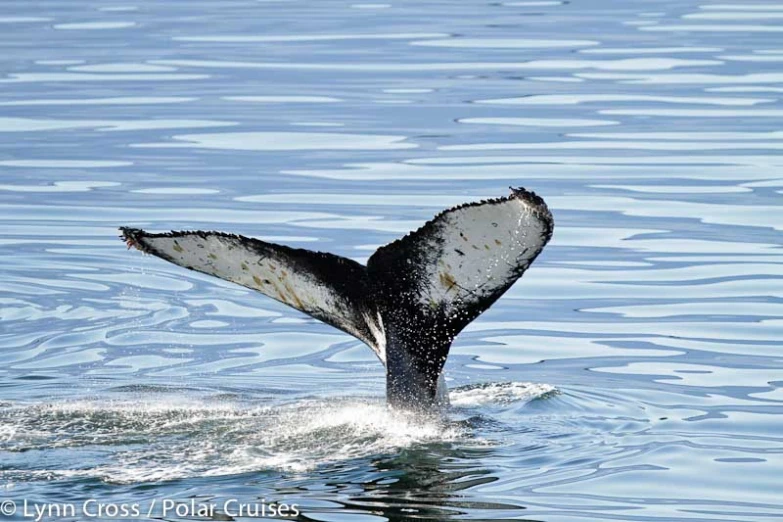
(651, 130)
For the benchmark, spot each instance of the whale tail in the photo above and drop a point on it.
(410, 301)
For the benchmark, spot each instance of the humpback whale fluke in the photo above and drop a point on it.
(410, 301)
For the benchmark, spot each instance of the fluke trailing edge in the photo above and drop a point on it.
(410, 301)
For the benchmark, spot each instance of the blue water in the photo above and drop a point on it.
(635, 372)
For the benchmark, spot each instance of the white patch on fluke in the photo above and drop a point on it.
(280, 273)
(227, 258)
(480, 248)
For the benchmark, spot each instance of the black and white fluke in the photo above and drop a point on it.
(410, 301)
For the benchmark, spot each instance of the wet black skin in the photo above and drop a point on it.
(413, 365)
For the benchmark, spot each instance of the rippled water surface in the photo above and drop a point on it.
(634, 373)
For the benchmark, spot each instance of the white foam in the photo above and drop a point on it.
(7, 433)
(189, 438)
(498, 393)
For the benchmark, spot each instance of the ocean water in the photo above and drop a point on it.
(635, 373)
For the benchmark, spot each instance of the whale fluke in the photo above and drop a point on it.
(330, 288)
(410, 301)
